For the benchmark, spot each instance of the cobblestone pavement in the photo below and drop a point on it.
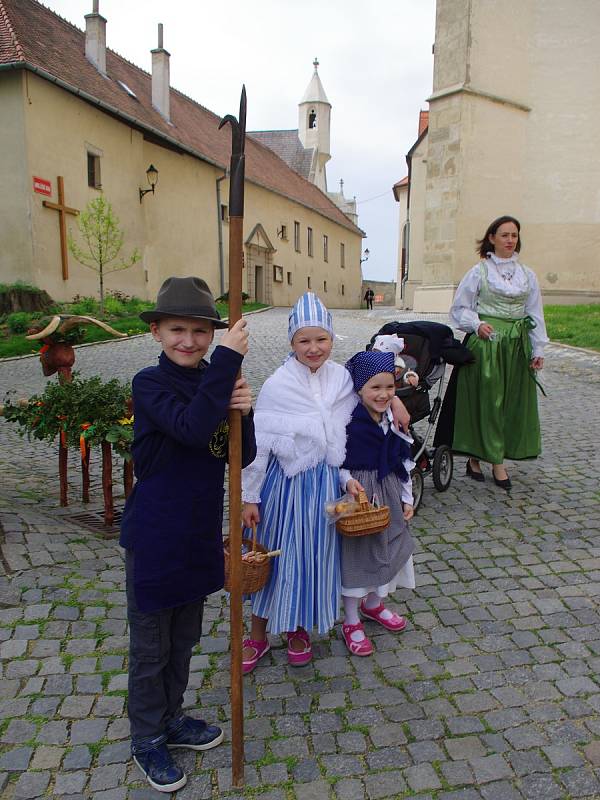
(491, 693)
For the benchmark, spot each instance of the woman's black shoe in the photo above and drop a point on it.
(503, 484)
(477, 476)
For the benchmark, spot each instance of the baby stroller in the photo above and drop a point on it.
(428, 346)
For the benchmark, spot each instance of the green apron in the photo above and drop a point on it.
(496, 402)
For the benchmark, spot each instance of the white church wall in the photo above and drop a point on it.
(513, 129)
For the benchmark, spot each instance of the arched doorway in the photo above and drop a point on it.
(259, 265)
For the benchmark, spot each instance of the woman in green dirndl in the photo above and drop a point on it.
(493, 413)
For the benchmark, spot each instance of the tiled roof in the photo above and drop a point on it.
(423, 121)
(41, 40)
(288, 146)
(10, 50)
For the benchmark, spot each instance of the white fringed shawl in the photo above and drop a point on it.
(301, 418)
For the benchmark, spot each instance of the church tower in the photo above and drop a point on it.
(314, 116)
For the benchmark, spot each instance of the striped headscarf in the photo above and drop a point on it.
(364, 365)
(309, 312)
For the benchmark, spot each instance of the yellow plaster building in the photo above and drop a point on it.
(512, 129)
(71, 108)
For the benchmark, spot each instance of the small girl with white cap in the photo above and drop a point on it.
(300, 420)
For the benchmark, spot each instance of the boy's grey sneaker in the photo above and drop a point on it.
(160, 770)
(194, 734)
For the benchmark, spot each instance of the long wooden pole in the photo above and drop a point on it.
(236, 258)
(235, 530)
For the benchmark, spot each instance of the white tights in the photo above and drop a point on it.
(372, 600)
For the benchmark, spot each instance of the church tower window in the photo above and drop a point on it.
(312, 118)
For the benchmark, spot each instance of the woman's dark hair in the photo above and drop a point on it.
(484, 245)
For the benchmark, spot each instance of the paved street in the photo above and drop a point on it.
(492, 692)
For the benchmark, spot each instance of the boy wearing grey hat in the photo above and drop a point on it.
(172, 523)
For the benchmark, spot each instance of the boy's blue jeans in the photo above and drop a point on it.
(160, 649)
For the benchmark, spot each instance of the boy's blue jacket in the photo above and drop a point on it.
(173, 518)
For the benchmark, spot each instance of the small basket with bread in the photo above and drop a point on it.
(256, 564)
(361, 518)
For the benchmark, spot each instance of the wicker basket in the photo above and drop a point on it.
(366, 520)
(254, 574)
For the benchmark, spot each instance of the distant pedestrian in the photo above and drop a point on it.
(369, 296)
(379, 459)
(171, 528)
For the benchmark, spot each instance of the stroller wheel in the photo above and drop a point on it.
(443, 466)
(417, 487)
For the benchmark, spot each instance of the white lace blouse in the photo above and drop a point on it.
(509, 277)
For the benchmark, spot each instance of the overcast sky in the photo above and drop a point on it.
(375, 65)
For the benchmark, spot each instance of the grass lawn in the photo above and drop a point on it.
(18, 345)
(575, 325)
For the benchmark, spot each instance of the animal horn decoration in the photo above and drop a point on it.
(57, 354)
(65, 322)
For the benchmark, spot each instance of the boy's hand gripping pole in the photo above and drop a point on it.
(236, 260)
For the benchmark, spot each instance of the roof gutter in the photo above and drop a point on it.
(143, 126)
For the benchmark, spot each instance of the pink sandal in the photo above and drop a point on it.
(298, 658)
(395, 623)
(260, 649)
(360, 648)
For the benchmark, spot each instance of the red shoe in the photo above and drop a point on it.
(360, 648)
(260, 649)
(299, 658)
(395, 623)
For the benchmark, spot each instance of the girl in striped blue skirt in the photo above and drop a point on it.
(300, 421)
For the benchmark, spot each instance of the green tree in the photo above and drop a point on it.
(99, 227)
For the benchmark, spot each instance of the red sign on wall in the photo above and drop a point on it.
(42, 186)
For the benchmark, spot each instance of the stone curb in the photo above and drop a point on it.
(114, 341)
(587, 350)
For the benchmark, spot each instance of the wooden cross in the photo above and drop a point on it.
(62, 222)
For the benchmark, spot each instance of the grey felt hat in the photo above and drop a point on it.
(184, 297)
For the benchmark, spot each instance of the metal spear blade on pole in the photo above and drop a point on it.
(236, 259)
